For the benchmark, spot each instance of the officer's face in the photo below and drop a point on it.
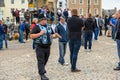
(43, 22)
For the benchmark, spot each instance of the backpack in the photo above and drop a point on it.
(45, 40)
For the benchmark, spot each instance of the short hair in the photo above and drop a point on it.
(97, 15)
(74, 12)
(89, 15)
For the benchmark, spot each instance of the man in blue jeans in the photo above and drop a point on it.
(118, 39)
(62, 30)
(97, 27)
(88, 31)
(1, 35)
(113, 22)
(21, 31)
(75, 25)
(5, 34)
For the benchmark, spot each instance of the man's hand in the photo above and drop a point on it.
(42, 32)
(56, 35)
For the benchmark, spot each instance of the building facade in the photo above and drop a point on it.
(62, 4)
(86, 6)
(16, 4)
(41, 3)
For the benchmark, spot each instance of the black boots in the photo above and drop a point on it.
(43, 77)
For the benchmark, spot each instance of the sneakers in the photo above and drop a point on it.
(75, 70)
(117, 69)
(88, 50)
(65, 64)
(43, 77)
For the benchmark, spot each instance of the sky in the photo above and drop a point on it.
(110, 4)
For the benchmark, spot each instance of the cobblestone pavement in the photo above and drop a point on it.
(18, 62)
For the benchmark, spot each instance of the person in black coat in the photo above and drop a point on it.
(106, 23)
(118, 39)
(88, 32)
(75, 25)
(2, 31)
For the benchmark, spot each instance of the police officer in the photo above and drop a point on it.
(42, 50)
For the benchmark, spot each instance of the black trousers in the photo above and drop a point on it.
(17, 20)
(27, 34)
(106, 29)
(100, 34)
(42, 55)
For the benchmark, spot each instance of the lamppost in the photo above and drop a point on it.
(88, 6)
(55, 10)
(66, 4)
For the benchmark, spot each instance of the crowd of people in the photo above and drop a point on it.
(71, 28)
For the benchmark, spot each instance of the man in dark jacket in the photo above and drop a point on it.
(21, 29)
(75, 25)
(88, 32)
(97, 27)
(118, 39)
(1, 34)
(62, 30)
(106, 24)
(65, 13)
(5, 26)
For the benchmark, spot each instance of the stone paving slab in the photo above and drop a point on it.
(18, 62)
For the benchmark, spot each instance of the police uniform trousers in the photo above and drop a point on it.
(42, 55)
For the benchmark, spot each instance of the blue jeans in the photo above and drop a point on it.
(5, 38)
(21, 37)
(96, 33)
(88, 39)
(113, 32)
(118, 49)
(74, 46)
(1, 41)
(62, 52)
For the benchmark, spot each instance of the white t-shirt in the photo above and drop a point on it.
(69, 14)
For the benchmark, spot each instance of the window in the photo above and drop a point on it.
(96, 11)
(81, 11)
(89, 2)
(73, 1)
(12, 1)
(81, 1)
(96, 1)
(22, 1)
(60, 4)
